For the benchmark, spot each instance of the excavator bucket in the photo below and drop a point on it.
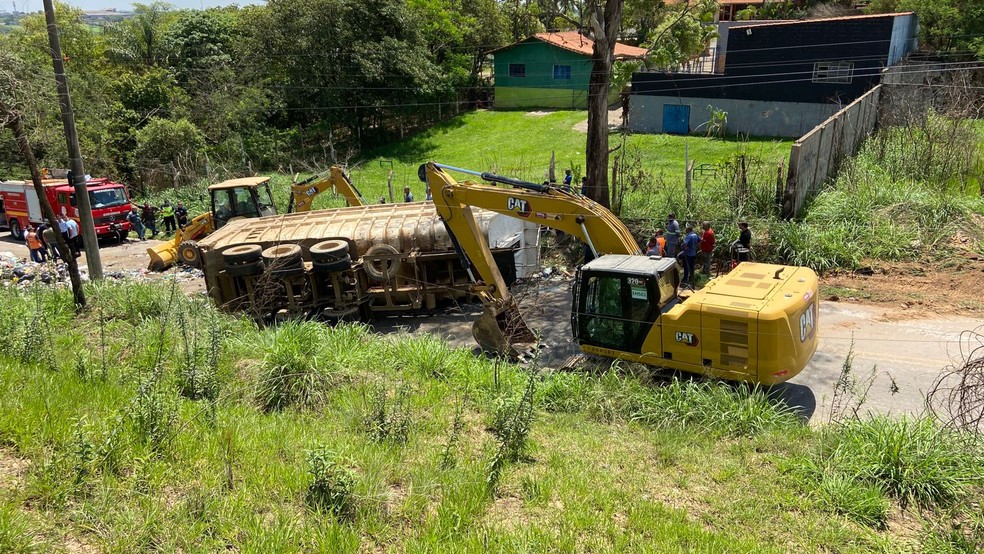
(502, 329)
(162, 256)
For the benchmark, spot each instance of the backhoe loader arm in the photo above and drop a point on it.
(165, 254)
(302, 194)
(501, 328)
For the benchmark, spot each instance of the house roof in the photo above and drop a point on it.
(825, 19)
(580, 44)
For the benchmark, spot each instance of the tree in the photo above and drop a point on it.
(136, 41)
(605, 17)
(12, 92)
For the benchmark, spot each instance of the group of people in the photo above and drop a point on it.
(174, 217)
(43, 243)
(408, 196)
(668, 242)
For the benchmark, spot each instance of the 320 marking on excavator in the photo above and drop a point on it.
(522, 207)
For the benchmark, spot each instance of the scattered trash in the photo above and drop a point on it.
(21, 272)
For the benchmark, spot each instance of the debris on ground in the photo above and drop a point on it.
(22, 272)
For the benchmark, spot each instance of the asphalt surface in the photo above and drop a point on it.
(895, 362)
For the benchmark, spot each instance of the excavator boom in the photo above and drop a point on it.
(501, 328)
(302, 194)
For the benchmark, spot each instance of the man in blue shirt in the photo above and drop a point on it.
(690, 243)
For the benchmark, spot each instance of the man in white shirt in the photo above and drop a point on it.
(73, 236)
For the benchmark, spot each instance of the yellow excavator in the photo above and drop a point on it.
(247, 197)
(756, 324)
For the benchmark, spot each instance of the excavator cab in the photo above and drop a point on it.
(238, 198)
(617, 299)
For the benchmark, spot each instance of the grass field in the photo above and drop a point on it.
(152, 423)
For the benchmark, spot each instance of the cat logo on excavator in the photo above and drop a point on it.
(522, 207)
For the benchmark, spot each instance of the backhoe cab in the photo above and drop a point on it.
(756, 324)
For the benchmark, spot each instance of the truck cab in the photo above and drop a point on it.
(241, 198)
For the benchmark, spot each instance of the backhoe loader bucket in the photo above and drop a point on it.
(162, 256)
(502, 329)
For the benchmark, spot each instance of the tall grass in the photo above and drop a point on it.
(913, 460)
(293, 372)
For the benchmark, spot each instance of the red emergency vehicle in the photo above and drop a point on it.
(110, 203)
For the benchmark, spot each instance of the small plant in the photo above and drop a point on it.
(448, 454)
(153, 414)
(512, 421)
(16, 536)
(332, 485)
(82, 370)
(862, 502)
(385, 419)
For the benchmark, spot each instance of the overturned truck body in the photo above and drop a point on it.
(353, 262)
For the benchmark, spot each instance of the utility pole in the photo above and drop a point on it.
(83, 205)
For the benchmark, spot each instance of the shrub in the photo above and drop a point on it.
(912, 460)
(332, 485)
(154, 413)
(293, 372)
(862, 502)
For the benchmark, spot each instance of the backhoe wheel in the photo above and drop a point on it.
(242, 253)
(332, 267)
(328, 251)
(242, 270)
(282, 256)
(381, 262)
(190, 254)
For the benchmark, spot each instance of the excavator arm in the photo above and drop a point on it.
(501, 328)
(302, 194)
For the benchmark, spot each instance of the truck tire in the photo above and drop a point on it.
(329, 251)
(332, 267)
(15, 229)
(242, 253)
(190, 254)
(384, 268)
(282, 256)
(242, 270)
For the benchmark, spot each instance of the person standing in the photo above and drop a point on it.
(182, 214)
(73, 237)
(149, 218)
(690, 244)
(52, 241)
(167, 210)
(584, 186)
(407, 195)
(568, 180)
(33, 241)
(672, 235)
(135, 223)
(707, 246)
(745, 236)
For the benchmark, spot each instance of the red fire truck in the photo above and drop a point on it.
(110, 202)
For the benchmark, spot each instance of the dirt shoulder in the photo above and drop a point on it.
(913, 290)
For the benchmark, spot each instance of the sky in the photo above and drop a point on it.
(122, 5)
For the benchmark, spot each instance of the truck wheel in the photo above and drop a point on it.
(242, 270)
(381, 268)
(190, 254)
(329, 251)
(242, 253)
(332, 267)
(282, 256)
(15, 229)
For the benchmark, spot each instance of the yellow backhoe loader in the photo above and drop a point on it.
(756, 324)
(247, 197)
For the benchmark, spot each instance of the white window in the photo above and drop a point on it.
(833, 72)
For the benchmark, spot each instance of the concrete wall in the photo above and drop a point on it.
(749, 117)
(818, 154)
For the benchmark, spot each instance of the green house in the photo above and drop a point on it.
(549, 70)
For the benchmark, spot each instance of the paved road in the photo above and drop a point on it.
(907, 353)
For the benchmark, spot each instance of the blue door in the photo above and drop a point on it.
(676, 119)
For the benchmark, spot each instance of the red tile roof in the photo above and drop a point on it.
(576, 42)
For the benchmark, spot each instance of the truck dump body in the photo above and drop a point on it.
(408, 245)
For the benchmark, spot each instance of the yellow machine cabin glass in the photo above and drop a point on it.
(617, 311)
